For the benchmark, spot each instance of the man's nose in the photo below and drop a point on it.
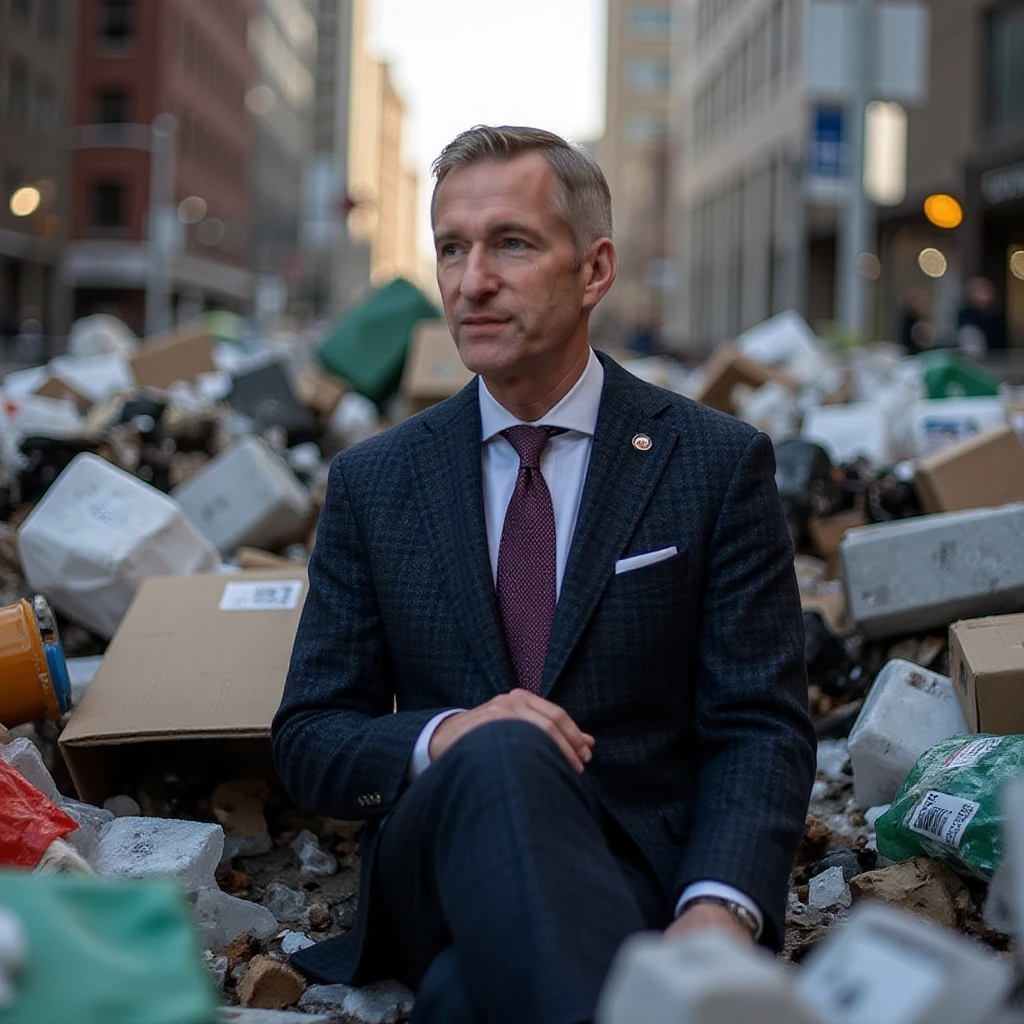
(479, 278)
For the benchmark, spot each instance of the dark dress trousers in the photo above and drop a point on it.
(689, 673)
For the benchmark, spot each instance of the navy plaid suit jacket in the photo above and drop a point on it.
(689, 673)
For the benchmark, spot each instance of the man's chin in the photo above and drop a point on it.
(489, 357)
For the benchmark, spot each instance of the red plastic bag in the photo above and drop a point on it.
(29, 820)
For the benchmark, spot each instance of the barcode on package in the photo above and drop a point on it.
(266, 595)
(943, 817)
(971, 753)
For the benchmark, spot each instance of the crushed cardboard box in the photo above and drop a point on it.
(980, 471)
(827, 534)
(177, 355)
(56, 387)
(433, 369)
(191, 679)
(319, 391)
(987, 668)
(727, 368)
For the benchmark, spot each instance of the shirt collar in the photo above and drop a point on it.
(576, 411)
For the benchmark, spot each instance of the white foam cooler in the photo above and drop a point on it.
(97, 533)
(246, 495)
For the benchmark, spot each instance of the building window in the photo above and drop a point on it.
(646, 129)
(112, 107)
(108, 205)
(652, 22)
(117, 20)
(17, 93)
(49, 19)
(1005, 86)
(648, 75)
(46, 108)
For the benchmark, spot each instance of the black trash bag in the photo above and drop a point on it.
(803, 475)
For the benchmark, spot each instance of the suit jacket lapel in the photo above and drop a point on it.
(620, 481)
(446, 465)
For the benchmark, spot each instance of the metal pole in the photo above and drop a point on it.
(160, 223)
(856, 231)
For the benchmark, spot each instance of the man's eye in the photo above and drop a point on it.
(449, 249)
(515, 244)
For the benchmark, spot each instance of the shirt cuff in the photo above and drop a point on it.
(420, 760)
(724, 892)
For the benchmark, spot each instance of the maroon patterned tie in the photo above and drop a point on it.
(526, 559)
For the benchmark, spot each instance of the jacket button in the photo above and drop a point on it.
(361, 801)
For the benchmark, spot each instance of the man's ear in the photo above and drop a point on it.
(600, 266)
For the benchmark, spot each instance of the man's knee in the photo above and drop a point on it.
(508, 746)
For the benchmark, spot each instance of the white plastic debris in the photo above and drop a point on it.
(384, 1002)
(847, 432)
(314, 862)
(24, 757)
(908, 710)
(354, 419)
(893, 966)
(833, 757)
(100, 333)
(786, 341)
(38, 416)
(82, 671)
(769, 408)
(246, 495)
(703, 978)
(829, 890)
(97, 377)
(222, 918)
(161, 848)
(97, 534)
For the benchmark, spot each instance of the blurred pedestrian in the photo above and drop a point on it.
(981, 322)
(917, 333)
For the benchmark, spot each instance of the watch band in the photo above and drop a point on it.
(737, 911)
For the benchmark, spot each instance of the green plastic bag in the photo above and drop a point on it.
(948, 807)
(106, 952)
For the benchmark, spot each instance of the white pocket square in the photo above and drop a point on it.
(642, 561)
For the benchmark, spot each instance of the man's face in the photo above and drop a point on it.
(506, 268)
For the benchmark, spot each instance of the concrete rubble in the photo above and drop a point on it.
(216, 461)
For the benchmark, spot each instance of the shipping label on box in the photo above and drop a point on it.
(987, 669)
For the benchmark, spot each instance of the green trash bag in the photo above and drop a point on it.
(948, 807)
(946, 376)
(105, 952)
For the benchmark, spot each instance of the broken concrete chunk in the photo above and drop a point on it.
(161, 847)
(829, 890)
(385, 1002)
(270, 984)
(245, 846)
(292, 942)
(284, 903)
(314, 862)
(223, 918)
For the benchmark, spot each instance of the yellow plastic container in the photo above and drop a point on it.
(34, 680)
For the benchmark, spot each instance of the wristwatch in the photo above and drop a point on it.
(737, 911)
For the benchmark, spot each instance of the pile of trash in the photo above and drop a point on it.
(160, 500)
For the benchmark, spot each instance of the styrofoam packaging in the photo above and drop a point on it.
(891, 966)
(908, 710)
(941, 422)
(39, 416)
(847, 431)
(787, 341)
(100, 334)
(246, 495)
(703, 978)
(926, 572)
(97, 533)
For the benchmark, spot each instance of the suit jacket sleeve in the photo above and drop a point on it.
(339, 747)
(757, 744)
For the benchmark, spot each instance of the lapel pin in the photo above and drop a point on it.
(642, 443)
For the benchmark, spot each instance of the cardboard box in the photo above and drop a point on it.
(181, 354)
(187, 685)
(987, 668)
(319, 391)
(826, 534)
(981, 471)
(728, 367)
(55, 387)
(433, 369)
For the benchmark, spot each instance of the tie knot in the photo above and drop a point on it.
(529, 443)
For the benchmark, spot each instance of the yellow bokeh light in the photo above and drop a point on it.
(1017, 264)
(932, 262)
(25, 201)
(943, 211)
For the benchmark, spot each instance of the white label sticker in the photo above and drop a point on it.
(104, 509)
(880, 981)
(971, 753)
(265, 595)
(943, 817)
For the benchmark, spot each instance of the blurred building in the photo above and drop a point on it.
(634, 154)
(166, 212)
(37, 60)
(760, 169)
(283, 40)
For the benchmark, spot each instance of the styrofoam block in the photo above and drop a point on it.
(849, 431)
(246, 495)
(829, 889)
(701, 978)
(101, 333)
(39, 416)
(893, 966)
(222, 918)
(188, 851)
(786, 341)
(926, 572)
(908, 710)
(97, 534)
(940, 422)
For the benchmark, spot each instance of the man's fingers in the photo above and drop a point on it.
(528, 714)
(579, 740)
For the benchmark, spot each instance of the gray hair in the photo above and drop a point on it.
(582, 198)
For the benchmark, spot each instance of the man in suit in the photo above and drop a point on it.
(552, 650)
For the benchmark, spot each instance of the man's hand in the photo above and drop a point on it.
(707, 915)
(527, 707)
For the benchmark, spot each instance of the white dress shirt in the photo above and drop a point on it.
(563, 464)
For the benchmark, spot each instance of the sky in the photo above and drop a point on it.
(463, 62)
